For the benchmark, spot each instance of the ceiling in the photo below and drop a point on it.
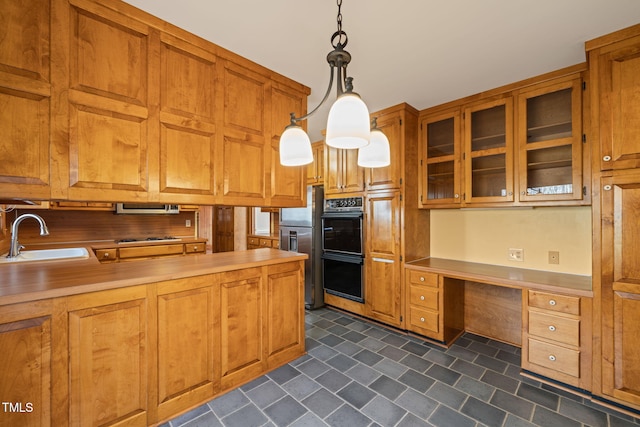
(422, 52)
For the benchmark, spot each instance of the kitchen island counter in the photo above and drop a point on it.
(24, 282)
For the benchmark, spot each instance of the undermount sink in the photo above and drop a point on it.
(48, 255)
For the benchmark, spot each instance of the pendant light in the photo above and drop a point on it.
(377, 154)
(348, 121)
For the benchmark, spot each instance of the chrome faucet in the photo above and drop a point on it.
(14, 250)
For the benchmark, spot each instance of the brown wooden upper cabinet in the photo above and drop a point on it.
(25, 99)
(103, 104)
(488, 151)
(519, 145)
(243, 158)
(440, 159)
(549, 140)
(121, 106)
(287, 184)
(342, 173)
(615, 68)
(315, 170)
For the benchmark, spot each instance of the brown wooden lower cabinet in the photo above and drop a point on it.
(556, 339)
(140, 355)
(553, 329)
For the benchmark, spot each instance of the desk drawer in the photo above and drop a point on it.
(423, 278)
(560, 329)
(254, 241)
(554, 302)
(424, 319)
(555, 357)
(424, 297)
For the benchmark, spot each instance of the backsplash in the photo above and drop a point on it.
(486, 235)
(84, 226)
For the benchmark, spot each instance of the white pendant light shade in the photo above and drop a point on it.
(377, 154)
(295, 147)
(348, 123)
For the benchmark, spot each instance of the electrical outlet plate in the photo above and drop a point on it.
(554, 257)
(516, 254)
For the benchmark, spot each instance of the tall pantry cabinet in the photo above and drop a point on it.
(614, 61)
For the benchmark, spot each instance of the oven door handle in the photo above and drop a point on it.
(387, 261)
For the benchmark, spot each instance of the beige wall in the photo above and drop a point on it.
(485, 236)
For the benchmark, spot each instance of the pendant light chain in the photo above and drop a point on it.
(339, 18)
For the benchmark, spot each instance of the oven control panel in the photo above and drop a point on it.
(344, 204)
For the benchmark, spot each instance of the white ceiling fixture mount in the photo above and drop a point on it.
(348, 125)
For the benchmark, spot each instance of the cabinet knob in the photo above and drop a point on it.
(456, 196)
(105, 255)
(552, 302)
(552, 358)
(422, 319)
(195, 248)
(607, 158)
(421, 279)
(522, 192)
(421, 297)
(552, 328)
(607, 187)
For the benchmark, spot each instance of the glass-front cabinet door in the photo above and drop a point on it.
(488, 150)
(440, 159)
(549, 142)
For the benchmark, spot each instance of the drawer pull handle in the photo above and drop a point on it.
(607, 158)
(106, 255)
(422, 319)
(421, 278)
(552, 328)
(607, 187)
(552, 358)
(421, 297)
(552, 302)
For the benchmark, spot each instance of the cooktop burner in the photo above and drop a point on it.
(148, 239)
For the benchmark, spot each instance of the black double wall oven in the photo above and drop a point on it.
(343, 248)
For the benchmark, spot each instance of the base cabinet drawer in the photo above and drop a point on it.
(423, 297)
(425, 322)
(555, 328)
(555, 357)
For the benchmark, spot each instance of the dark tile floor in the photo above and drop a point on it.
(361, 374)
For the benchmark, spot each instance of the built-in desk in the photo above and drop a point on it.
(547, 314)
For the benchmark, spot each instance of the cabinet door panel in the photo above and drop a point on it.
(25, 377)
(100, 338)
(244, 99)
(106, 155)
(353, 175)
(187, 122)
(108, 55)
(619, 98)
(241, 338)
(620, 294)
(285, 322)
(243, 169)
(440, 145)
(186, 344)
(25, 94)
(489, 152)
(388, 177)
(287, 186)
(383, 291)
